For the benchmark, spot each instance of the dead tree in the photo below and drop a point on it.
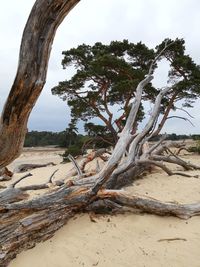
(24, 220)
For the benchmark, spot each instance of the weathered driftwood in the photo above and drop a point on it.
(28, 167)
(82, 164)
(24, 223)
(5, 174)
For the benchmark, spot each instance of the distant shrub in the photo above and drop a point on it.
(196, 148)
(74, 150)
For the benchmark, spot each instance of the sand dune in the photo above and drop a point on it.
(124, 240)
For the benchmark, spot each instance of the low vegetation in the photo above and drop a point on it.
(195, 148)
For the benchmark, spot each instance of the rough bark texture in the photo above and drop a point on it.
(35, 49)
(24, 223)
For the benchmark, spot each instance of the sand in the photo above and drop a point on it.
(122, 240)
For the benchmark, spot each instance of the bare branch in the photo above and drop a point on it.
(175, 160)
(148, 126)
(165, 168)
(34, 187)
(30, 166)
(97, 166)
(180, 149)
(185, 112)
(166, 113)
(158, 164)
(20, 179)
(150, 205)
(152, 148)
(71, 158)
(51, 177)
(158, 56)
(172, 239)
(105, 102)
(182, 118)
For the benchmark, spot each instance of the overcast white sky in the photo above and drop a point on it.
(149, 21)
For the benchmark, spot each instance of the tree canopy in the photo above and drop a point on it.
(106, 77)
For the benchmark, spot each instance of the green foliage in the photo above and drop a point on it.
(173, 137)
(184, 73)
(95, 130)
(195, 136)
(61, 139)
(196, 148)
(98, 136)
(107, 76)
(74, 150)
(44, 138)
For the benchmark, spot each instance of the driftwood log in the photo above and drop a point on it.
(27, 167)
(25, 222)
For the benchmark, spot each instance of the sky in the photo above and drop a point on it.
(149, 21)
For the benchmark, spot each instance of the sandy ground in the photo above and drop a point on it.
(124, 240)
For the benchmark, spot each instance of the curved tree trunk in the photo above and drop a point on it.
(35, 49)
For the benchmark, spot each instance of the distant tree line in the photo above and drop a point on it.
(69, 138)
(176, 137)
(45, 138)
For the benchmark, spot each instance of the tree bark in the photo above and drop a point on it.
(35, 49)
(25, 223)
(166, 114)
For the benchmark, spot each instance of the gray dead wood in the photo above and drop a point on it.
(25, 223)
(28, 167)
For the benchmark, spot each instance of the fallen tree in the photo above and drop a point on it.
(25, 220)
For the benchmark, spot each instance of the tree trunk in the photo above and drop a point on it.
(25, 223)
(35, 49)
